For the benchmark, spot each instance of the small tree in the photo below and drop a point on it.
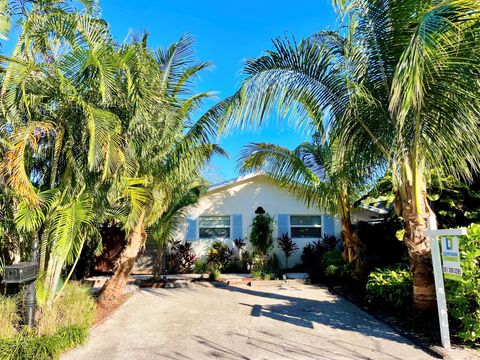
(288, 247)
(261, 233)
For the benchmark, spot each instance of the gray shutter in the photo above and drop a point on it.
(237, 226)
(191, 229)
(283, 224)
(328, 225)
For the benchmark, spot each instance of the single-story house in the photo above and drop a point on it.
(226, 212)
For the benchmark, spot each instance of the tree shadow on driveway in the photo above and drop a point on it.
(304, 312)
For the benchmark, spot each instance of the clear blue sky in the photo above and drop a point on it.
(226, 33)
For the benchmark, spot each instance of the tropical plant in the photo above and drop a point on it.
(391, 287)
(397, 88)
(240, 245)
(219, 255)
(308, 172)
(162, 142)
(288, 246)
(55, 132)
(163, 231)
(463, 296)
(261, 234)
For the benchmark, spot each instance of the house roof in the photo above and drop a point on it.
(228, 183)
(239, 179)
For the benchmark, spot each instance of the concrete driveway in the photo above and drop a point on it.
(240, 322)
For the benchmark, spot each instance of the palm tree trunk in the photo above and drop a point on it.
(113, 288)
(415, 212)
(158, 262)
(350, 240)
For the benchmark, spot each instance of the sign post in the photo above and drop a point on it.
(438, 270)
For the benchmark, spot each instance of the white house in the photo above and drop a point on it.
(227, 210)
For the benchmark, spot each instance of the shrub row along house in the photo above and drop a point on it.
(226, 211)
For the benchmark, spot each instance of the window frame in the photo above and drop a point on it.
(306, 226)
(229, 227)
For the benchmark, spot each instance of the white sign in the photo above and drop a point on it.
(451, 258)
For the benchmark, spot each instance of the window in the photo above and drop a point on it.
(214, 227)
(305, 226)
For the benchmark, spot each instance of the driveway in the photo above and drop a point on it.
(241, 322)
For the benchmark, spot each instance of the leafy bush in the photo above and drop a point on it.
(215, 275)
(288, 247)
(9, 317)
(200, 267)
(180, 258)
(261, 233)
(463, 296)
(319, 255)
(219, 255)
(390, 287)
(332, 257)
(27, 345)
(256, 274)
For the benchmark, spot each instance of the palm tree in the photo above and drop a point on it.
(164, 230)
(165, 146)
(398, 86)
(307, 173)
(62, 142)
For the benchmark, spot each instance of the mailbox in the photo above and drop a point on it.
(20, 273)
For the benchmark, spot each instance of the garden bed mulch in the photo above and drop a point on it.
(420, 328)
(106, 308)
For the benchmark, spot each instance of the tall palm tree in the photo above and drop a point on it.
(62, 140)
(164, 147)
(399, 86)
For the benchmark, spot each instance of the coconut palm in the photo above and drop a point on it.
(399, 86)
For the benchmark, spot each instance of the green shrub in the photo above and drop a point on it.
(331, 270)
(219, 255)
(215, 275)
(390, 287)
(256, 274)
(8, 317)
(200, 267)
(27, 345)
(266, 276)
(463, 296)
(261, 233)
(332, 257)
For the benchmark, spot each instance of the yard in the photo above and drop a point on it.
(241, 322)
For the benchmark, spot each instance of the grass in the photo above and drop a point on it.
(9, 317)
(60, 327)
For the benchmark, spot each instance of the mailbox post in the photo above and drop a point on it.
(25, 273)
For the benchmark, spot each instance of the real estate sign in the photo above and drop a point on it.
(451, 258)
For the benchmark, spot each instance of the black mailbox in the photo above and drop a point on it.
(20, 273)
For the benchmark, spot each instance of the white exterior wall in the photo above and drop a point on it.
(244, 197)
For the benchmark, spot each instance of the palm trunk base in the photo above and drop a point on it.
(423, 283)
(114, 286)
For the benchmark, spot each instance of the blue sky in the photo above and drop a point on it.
(226, 33)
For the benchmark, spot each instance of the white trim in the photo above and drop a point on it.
(230, 182)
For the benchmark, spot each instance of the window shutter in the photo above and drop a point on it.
(191, 229)
(283, 224)
(328, 225)
(237, 226)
